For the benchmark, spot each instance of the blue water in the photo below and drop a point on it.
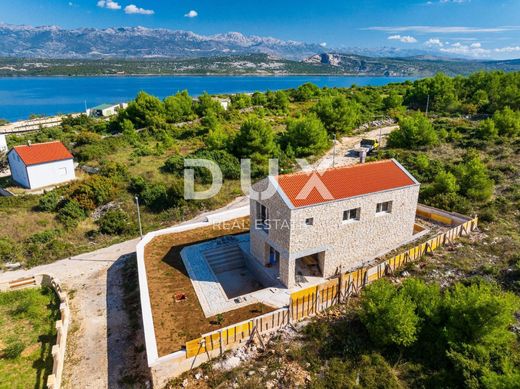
(22, 96)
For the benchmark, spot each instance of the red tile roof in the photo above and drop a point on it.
(343, 182)
(42, 153)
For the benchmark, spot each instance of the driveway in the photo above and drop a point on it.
(345, 145)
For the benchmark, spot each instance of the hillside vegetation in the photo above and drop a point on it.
(251, 64)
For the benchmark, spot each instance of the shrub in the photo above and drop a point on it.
(306, 135)
(445, 182)
(415, 130)
(389, 316)
(13, 349)
(487, 130)
(71, 213)
(114, 222)
(114, 170)
(9, 250)
(174, 164)
(338, 114)
(229, 164)
(507, 122)
(48, 202)
(306, 92)
(474, 179)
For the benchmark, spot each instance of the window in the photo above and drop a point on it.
(261, 217)
(385, 207)
(309, 221)
(274, 256)
(351, 214)
(62, 171)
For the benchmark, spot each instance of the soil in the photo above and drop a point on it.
(176, 323)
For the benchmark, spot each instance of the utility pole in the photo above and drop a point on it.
(427, 104)
(334, 151)
(139, 216)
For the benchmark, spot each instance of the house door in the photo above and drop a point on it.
(274, 256)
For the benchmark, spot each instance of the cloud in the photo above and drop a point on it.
(434, 42)
(472, 50)
(133, 9)
(191, 14)
(441, 29)
(508, 49)
(403, 39)
(323, 44)
(109, 4)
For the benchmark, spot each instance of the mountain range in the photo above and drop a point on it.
(139, 42)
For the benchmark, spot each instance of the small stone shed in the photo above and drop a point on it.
(321, 223)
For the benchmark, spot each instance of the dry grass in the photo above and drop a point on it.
(176, 323)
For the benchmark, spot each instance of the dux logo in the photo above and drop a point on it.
(314, 181)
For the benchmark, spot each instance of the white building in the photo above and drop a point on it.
(41, 165)
(3, 144)
(106, 110)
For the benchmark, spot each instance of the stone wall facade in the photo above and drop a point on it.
(340, 245)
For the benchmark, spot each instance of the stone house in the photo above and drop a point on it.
(327, 222)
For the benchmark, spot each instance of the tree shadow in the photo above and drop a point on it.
(126, 351)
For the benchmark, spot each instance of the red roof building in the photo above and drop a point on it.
(343, 182)
(41, 165)
(39, 153)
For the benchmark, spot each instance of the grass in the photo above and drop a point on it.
(177, 323)
(27, 334)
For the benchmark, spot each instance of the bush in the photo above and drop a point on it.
(414, 131)
(13, 349)
(71, 213)
(487, 130)
(114, 222)
(474, 179)
(255, 140)
(174, 164)
(507, 121)
(306, 92)
(9, 250)
(338, 114)
(229, 164)
(306, 136)
(389, 316)
(48, 202)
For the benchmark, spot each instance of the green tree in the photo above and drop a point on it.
(71, 213)
(277, 102)
(241, 101)
(306, 92)
(440, 90)
(414, 130)
(473, 178)
(207, 104)
(306, 135)
(338, 114)
(487, 129)
(507, 121)
(179, 107)
(255, 140)
(145, 111)
(389, 316)
(445, 182)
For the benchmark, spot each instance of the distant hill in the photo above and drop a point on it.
(423, 65)
(255, 64)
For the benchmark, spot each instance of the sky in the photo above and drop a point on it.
(475, 28)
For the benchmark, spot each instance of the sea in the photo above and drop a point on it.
(21, 97)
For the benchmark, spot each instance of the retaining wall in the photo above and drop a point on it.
(62, 325)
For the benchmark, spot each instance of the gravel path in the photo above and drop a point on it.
(345, 146)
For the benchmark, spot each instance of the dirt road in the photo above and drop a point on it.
(347, 144)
